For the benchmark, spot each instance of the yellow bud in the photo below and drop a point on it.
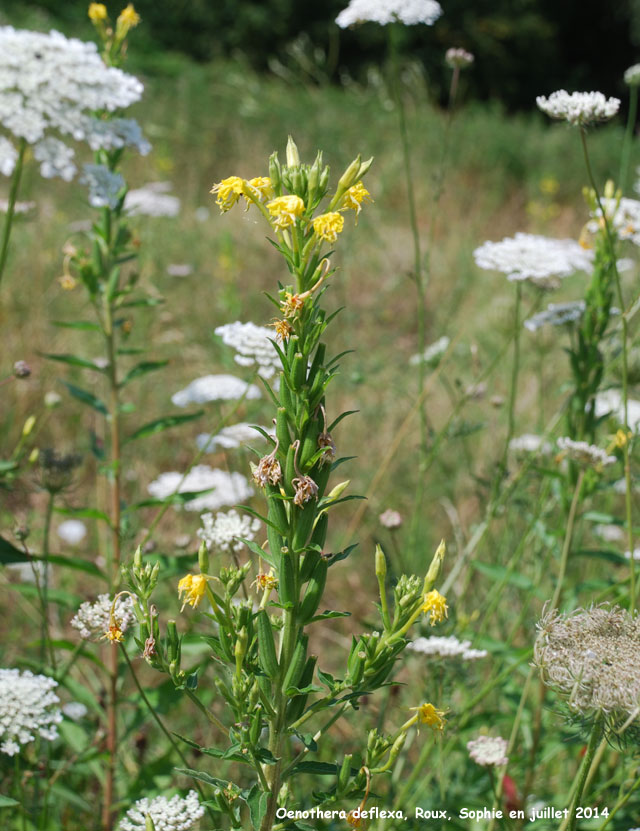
(434, 568)
(381, 563)
(28, 426)
(339, 489)
(33, 456)
(351, 175)
(293, 157)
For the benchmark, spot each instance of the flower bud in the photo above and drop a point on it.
(137, 559)
(339, 489)
(21, 369)
(293, 157)
(351, 174)
(29, 424)
(203, 558)
(381, 564)
(434, 568)
(148, 823)
(275, 174)
(364, 168)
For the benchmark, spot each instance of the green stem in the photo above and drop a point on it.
(568, 538)
(628, 138)
(13, 198)
(515, 371)
(622, 801)
(569, 823)
(625, 374)
(46, 635)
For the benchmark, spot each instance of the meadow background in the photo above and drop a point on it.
(224, 86)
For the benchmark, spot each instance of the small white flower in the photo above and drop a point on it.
(579, 108)
(72, 531)
(254, 346)
(115, 134)
(488, 751)
(27, 572)
(530, 443)
(175, 814)
(179, 270)
(556, 314)
(235, 435)
(215, 388)
(409, 12)
(610, 402)
(28, 707)
(609, 533)
(153, 199)
(623, 215)
(8, 156)
(75, 710)
(18, 207)
(104, 185)
(92, 618)
(632, 75)
(458, 58)
(224, 488)
(636, 554)
(432, 353)
(585, 454)
(56, 159)
(447, 647)
(540, 260)
(225, 531)
(390, 519)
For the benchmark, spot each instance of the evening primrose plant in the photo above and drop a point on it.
(279, 703)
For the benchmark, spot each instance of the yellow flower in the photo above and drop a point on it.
(355, 196)
(436, 605)
(285, 210)
(229, 191)
(128, 17)
(263, 185)
(620, 439)
(114, 632)
(193, 586)
(283, 329)
(67, 282)
(291, 304)
(354, 820)
(328, 226)
(97, 12)
(427, 714)
(266, 581)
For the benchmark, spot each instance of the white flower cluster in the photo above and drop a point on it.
(104, 185)
(585, 454)
(153, 199)
(390, 519)
(609, 533)
(447, 647)
(50, 84)
(458, 58)
(253, 345)
(632, 75)
(225, 532)
(231, 437)
(215, 388)
(225, 488)
(18, 207)
(541, 260)
(556, 314)
(72, 531)
(623, 215)
(175, 814)
(530, 443)
(384, 12)
(28, 707)
(432, 353)
(92, 619)
(75, 710)
(8, 156)
(488, 751)
(611, 402)
(579, 108)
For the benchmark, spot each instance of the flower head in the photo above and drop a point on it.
(193, 586)
(429, 715)
(390, 519)
(92, 620)
(128, 17)
(222, 488)
(587, 455)
(97, 12)
(253, 345)
(114, 633)
(282, 328)
(226, 531)
(306, 489)
(268, 471)
(557, 314)
(228, 192)
(291, 304)
(354, 197)
(328, 226)
(28, 708)
(285, 210)
(262, 186)
(409, 12)
(266, 582)
(488, 751)
(447, 647)
(580, 109)
(458, 58)
(175, 814)
(435, 605)
(632, 75)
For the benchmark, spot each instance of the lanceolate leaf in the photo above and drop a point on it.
(164, 423)
(87, 398)
(73, 360)
(142, 369)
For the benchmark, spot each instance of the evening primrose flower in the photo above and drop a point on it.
(261, 184)
(436, 605)
(229, 191)
(97, 12)
(128, 17)
(328, 226)
(355, 196)
(429, 715)
(285, 210)
(193, 586)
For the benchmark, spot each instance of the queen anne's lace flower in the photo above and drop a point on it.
(175, 814)
(225, 488)
(28, 708)
(215, 388)
(447, 647)
(384, 12)
(540, 260)
(611, 402)
(92, 619)
(104, 185)
(235, 435)
(488, 751)
(579, 108)
(585, 454)
(253, 345)
(556, 314)
(590, 657)
(8, 156)
(225, 532)
(117, 133)
(458, 58)
(153, 199)
(51, 85)
(56, 159)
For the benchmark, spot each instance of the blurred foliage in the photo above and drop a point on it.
(523, 47)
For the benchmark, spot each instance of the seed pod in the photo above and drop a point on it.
(313, 594)
(275, 174)
(304, 519)
(203, 558)
(298, 371)
(266, 645)
(309, 443)
(296, 667)
(290, 470)
(319, 535)
(277, 513)
(292, 348)
(285, 396)
(282, 428)
(358, 668)
(311, 559)
(256, 727)
(345, 773)
(296, 705)
(286, 578)
(173, 641)
(356, 647)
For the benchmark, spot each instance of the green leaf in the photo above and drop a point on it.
(328, 615)
(10, 554)
(204, 777)
(337, 421)
(608, 554)
(87, 398)
(500, 573)
(72, 360)
(259, 552)
(86, 325)
(83, 513)
(257, 802)
(319, 768)
(78, 564)
(7, 802)
(164, 423)
(142, 369)
(143, 301)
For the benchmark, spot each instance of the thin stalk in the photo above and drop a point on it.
(568, 538)
(628, 137)
(569, 823)
(625, 374)
(46, 636)
(515, 371)
(11, 207)
(622, 801)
